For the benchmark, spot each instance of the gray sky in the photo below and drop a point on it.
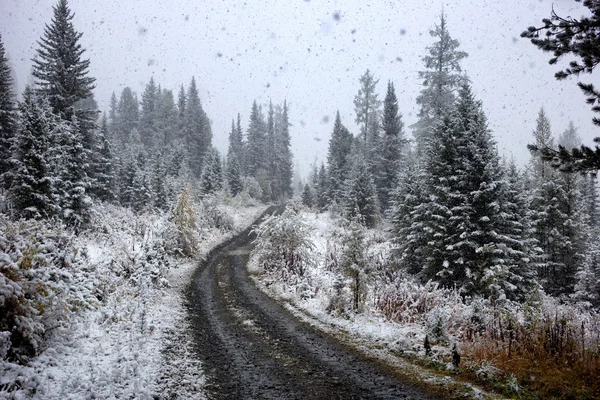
(312, 53)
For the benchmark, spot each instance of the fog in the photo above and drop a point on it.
(312, 54)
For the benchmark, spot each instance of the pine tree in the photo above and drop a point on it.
(236, 142)
(284, 167)
(441, 78)
(112, 112)
(321, 198)
(408, 217)
(390, 150)
(7, 116)
(360, 197)
(212, 174)
(271, 149)
(340, 146)
(198, 134)
(159, 186)
(165, 119)
(554, 214)
(307, 196)
(150, 98)
(256, 142)
(103, 187)
(366, 103)
(127, 116)
(61, 73)
(31, 190)
(234, 176)
(71, 179)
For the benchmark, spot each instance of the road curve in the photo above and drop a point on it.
(252, 348)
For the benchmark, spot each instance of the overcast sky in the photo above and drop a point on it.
(312, 54)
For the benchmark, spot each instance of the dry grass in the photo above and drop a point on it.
(554, 355)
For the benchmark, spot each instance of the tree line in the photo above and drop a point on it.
(459, 213)
(59, 154)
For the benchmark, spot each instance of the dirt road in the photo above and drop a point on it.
(252, 348)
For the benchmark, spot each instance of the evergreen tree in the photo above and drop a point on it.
(554, 214)
(159, 187)
(284, 167)
(307, 196)
(360, 197)
(408, 217)
(271, 150)
(103, 187)
(366, 103)
(150, 98)
(127, 116)
(165, 119)
(441, 78)
(321, 191)
(112, 112)
(234, 176)
(7, 115)
(198, 135)
(71, 179)
(236, 142)
(30, 176)
(340, 146)
(212, 174)
(390, 150)
(61, 73)
(256, 142)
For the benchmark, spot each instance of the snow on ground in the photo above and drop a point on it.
(135, 343)
(311, 298)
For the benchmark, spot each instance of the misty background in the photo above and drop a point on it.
(312, 53)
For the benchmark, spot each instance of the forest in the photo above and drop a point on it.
(437, 232)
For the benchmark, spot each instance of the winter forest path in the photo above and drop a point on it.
(253, 348)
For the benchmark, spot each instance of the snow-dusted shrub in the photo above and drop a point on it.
(213, 216)
(354, 262)
(185, 219)
(41, 282)
(252, 188)
(284, 245)
(408, 301)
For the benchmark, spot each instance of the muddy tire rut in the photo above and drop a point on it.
(253, 348)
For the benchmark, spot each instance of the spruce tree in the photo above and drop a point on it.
(390, 150)
(360, 196)
(234, 176)
(440, 79)
(31, 190)
(321, 198)
(284, 168)
(212, 174)
(256, 142)
(128, 116)
(554, 211)
(71, 179)
(198, 134)
(160, 198)
(103, 187)
(150, 98)
(340, 146)
(7, 116)
(307, 196)
(61, 73)
(366, 103)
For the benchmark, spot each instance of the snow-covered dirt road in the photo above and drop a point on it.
(252, 348)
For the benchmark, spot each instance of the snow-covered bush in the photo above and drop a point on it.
(185, 219)
(252, 188)
(40, 283)
(213, 216)
(284, 245)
